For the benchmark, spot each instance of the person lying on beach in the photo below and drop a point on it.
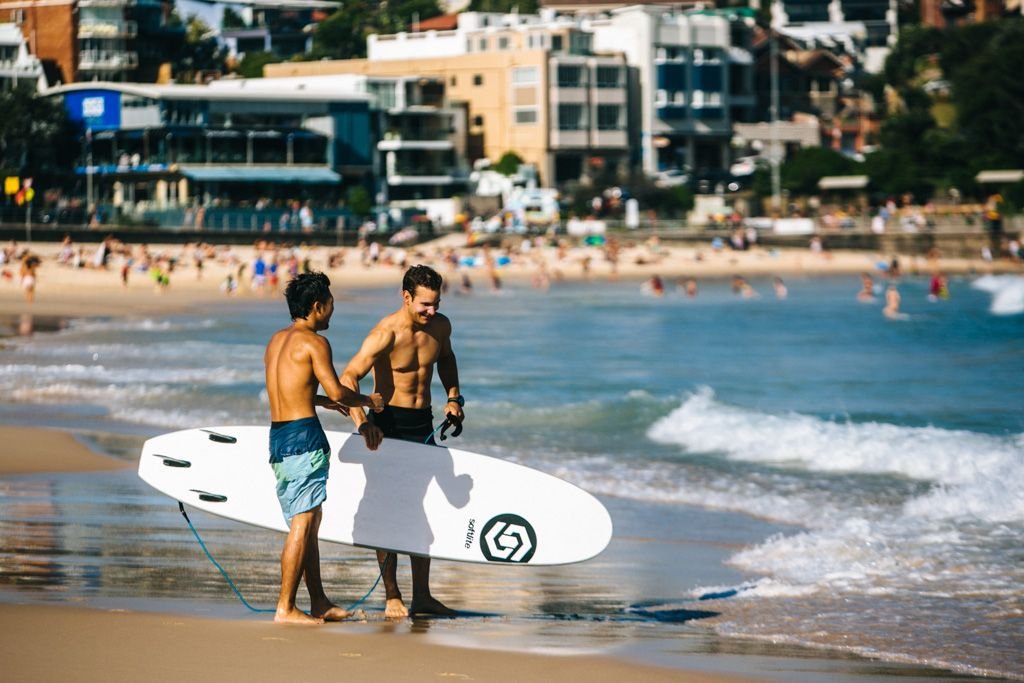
(402, 351)
(297, 359)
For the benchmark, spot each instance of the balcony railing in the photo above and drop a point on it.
(107, 29)
(106, 3)
(104, 60)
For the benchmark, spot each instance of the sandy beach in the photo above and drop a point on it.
(131, 644)
(89, 291)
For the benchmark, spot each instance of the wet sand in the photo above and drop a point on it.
(47, 642)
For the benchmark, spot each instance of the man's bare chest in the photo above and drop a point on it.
(411, 352)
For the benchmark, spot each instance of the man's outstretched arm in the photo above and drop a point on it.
(323, 369)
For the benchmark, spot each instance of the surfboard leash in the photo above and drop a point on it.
(238, 593)
(223, 573)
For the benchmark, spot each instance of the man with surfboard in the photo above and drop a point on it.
(297, 360)
(402, 350)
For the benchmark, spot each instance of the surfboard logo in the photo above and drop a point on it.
(508, 538)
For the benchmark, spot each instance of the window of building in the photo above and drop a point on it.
(525, 75)
(572, 117)
(483, 45)
(580, 43)
(478, 120)
(526, 116)
(556, 43)
(570, 76)
(454, 81)
(478, 79)
(609, 117)
(503, 43)
(608, 77)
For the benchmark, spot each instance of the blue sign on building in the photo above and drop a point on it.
(94, 109)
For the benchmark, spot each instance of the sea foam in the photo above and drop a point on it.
(1007, 293)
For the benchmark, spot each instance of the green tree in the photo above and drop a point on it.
(35, 133)
(199, 52)
(505, 6)
(252, 64)
(358, 201)
(800, 174)
(902, 64)
(231, 19)
(508, 164)
(343, 34)
(989, 96)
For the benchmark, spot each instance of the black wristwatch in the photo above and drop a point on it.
(458, 400)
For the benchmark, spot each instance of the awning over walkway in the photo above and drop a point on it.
(1010, 175)
(843, 182)
(312, 175)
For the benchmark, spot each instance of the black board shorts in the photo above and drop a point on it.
(405, 424)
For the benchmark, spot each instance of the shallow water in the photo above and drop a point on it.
(857, 478)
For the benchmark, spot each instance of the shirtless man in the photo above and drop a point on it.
(892, 304)
(402, 351)
(297, 360)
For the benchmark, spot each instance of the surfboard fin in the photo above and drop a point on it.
(210, 497)
(220, 438)
(172, 462)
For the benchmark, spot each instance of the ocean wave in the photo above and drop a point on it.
(165, 352)
(703, 425)
(18, 376)
(136, 325)
(1007, 293)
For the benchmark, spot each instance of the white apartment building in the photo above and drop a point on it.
(538, 88)
(694, 78)
(16, 64)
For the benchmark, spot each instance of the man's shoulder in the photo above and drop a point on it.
(441, 323)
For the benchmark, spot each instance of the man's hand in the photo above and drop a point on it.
(375, 402)
(453, 411)
(372, 435)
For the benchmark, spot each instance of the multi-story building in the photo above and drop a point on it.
(124, 40)
(418, 137)
(872, 23)
(90, 40)
(278, 26)
(167, 146)
(49, 27)
(694, 78)
(531, 84)
(16, 64)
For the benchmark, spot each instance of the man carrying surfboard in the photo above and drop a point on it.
(402, 351)
(297, 360)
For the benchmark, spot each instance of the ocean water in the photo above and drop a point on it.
(802, 472)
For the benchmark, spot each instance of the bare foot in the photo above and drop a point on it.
(395, 609)
(295, 616)
(431, 605)
(328, 611)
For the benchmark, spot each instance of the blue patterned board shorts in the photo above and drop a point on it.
(300, 456)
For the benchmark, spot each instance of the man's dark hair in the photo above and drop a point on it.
(421, 276)
(303, 291)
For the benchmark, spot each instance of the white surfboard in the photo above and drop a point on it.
(404, 497)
